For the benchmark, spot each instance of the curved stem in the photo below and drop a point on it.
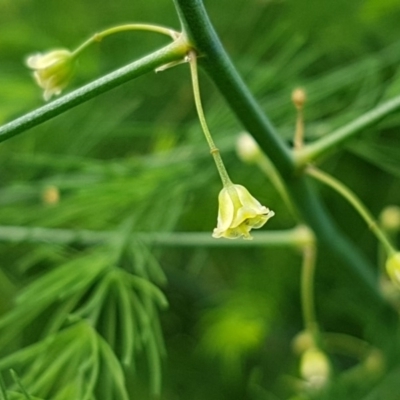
(356, 203)
(98, 37)
(200, 112)
(174, 51)
(330, 142)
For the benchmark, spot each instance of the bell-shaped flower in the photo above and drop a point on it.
(52, 70)
(239, 212)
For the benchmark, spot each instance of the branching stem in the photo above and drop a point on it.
(356, 203)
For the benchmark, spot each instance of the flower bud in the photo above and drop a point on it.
(52, 70)
(299, 98)
(51, 195)
(393, 268)
(315, 368)
(247, 148)
(302, 342)
(238, 213)
(390, 218)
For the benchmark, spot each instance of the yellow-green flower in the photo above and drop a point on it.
(315, 368)
(239, 212)
(393, 268)
(52, 70)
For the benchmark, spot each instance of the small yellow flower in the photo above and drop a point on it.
(52, 70)
(393, 268)
(239, 212)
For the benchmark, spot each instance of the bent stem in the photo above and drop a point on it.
(356, 203)
(98, 37)
(226, 181)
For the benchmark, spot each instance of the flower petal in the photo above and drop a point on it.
(226, 210)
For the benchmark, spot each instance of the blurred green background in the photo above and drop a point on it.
(136, 157)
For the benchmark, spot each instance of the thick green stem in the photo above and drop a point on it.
(217, 64)
(331, 141)
(173, 52)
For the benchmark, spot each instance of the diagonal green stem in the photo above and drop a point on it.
(173, 52)
(330, 142)
(198, 28)
(356, 203)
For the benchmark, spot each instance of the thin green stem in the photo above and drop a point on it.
(3, 390)
(20, 385)
(200, 112)
(356, 203)
(307, 292)
(347, 345)
(297, 237)
(98, 37)
(265, 165)
(172, 52)
(330, 142)
(298, 140)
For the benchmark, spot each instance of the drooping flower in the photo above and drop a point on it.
(52, 70)
(239, 212)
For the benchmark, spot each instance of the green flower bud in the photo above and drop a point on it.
(52, 70)
(247, 148)
(393, 268)
(390, 218)
(315, 368)
(239, 212)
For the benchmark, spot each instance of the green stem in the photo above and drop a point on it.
(297, 237)
(356, 203)
(98, 37)
(198, 28)
(172, 52)
(265, 165)
(347, 345)
(307, 291)
(330, 142)
(200, 112)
